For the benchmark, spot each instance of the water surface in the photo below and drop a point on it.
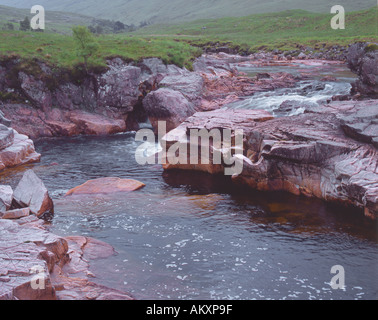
(193, 236)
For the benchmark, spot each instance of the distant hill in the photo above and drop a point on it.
(59, 22)
(163, 11)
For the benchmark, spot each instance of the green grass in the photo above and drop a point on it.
(178, 44)
(282, 30)
(59, 50)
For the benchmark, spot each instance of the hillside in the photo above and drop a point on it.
(160, 11)
(273, 30)
(60, 22)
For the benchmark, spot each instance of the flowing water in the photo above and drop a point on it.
(193, 236)
(308, 92)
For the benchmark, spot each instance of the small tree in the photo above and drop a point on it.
(118, 26)
(85, 42)
(25, 24)
(9, 26)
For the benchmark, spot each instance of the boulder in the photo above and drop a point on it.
(167, 105)
(31, 192)
(189, 84)
(106, 186)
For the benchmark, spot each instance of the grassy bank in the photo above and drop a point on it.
(282, 30)
(60, 50)
(178, 44)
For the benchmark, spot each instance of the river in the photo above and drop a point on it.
(194, 236)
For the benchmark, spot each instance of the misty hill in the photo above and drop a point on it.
(163, 11)
(56, 21)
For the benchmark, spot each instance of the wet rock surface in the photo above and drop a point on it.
(36, 264)
(15, 149)
(308, 154)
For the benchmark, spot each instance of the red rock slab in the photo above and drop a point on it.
(16, 214)
(106, 186)
(95, 124)
(63, 128)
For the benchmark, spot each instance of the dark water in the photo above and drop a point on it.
(192, 236)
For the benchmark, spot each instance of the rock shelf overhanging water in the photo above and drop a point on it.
(311, 154)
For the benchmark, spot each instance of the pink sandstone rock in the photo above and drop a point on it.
(95, 124)
(106, 186)
(309, 154)
(15, 214)
(21, 151)
(62, 265)
(31, 192)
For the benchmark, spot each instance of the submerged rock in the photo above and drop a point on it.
(103, 186)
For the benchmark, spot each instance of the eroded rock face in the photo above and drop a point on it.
(308, 154)
(6, 197)
(118, 87)
(6, 137)
(4, 121)
(363, 60)
(31, 192)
